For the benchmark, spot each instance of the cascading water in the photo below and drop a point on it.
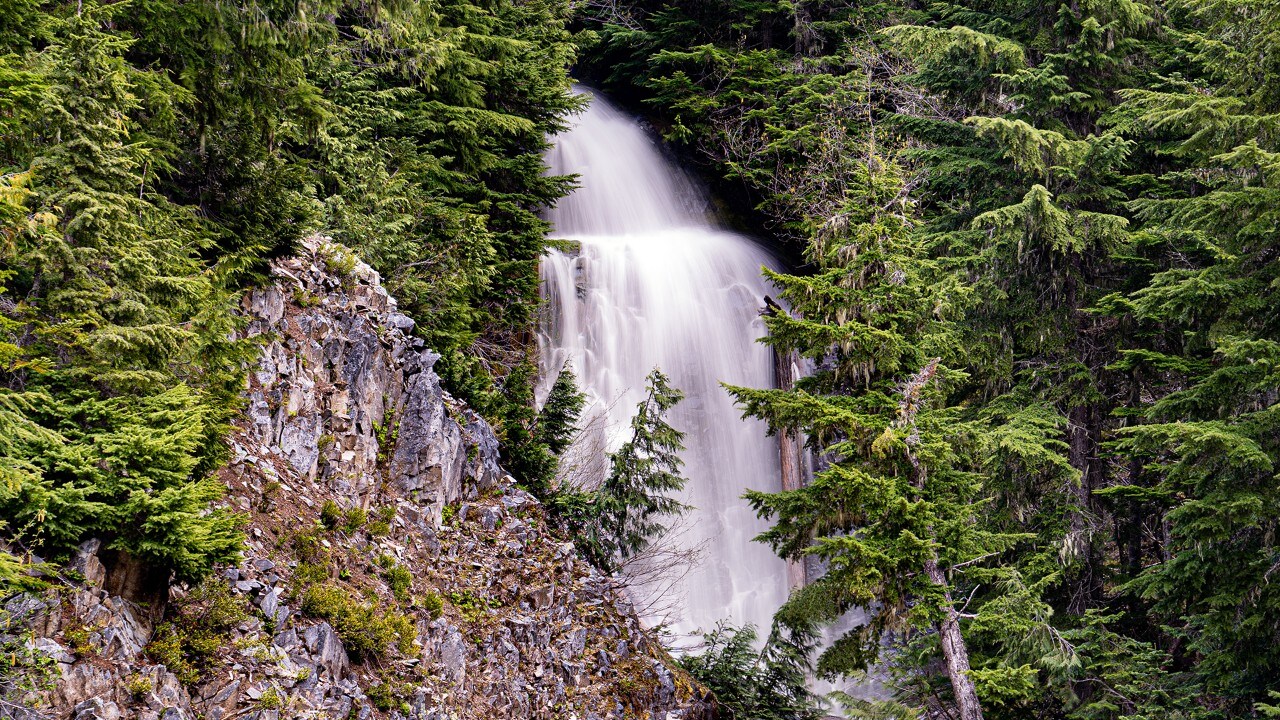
(652, 282)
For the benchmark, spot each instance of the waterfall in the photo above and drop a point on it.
(647, 279)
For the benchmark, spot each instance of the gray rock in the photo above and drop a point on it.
(272, 608)
(490, 517)
(453, 657)
(53, 649)
(577, 642)
(542, 597)
(326, 649)
(400, 321)
(84, 681)
(85, 561)
(97, 709)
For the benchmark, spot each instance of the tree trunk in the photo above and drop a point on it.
(788, 444)
(954, 651)
(806, 41)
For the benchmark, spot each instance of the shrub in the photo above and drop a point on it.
(138, 685)
(330, 515)
(271, 700)
(367, 630)
(382, 518)
(200, 624)
(399, 580)
(354, 519)
(433, 604)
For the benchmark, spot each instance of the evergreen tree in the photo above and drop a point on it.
(769, 683)
(1208, 443)
(114, 434)
(558, 418)
(623, 517)
(635, 496)
(894, 513)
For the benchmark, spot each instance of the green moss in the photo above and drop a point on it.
(76, 639)
(382, 517)
(337, 260)
(304, 299)
(270, 492)
(390, 694)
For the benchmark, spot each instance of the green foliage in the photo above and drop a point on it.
(623, 517)
(367, 631)
(116, 375)
(138, 686)
(400, 580)
(331, 514)
(473, 608)
(24, 670)
(557, 420)
(1072, 207)
(766, 684)
(154, 155)
(270, 699)
(198, 627)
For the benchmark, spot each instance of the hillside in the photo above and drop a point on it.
(392, 568)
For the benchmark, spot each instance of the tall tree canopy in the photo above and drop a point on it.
(155, 155)
(1063, 215)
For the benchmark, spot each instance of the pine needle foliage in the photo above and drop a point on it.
(1072, 207)
(156, 155)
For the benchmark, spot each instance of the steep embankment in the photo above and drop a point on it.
(391, 568)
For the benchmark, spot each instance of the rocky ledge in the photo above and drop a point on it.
(391, 568)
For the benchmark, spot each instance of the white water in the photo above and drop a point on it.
(654, 283)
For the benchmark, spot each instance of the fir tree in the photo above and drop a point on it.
(635, 497)
(558, 418)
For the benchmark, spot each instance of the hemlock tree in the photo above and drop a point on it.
(769, 683)
(623, 517)
(635, 497)
(116, 381)
(1208, 354)
(558, 418)
(895, 514)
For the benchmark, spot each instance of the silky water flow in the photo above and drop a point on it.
(648, 279)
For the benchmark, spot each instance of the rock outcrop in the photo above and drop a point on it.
(391, 568)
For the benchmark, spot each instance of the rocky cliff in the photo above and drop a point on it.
(391, 568)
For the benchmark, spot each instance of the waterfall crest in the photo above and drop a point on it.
(651, 281)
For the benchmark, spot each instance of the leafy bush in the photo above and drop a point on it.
(400, 580)
(331, 515)
(199, 626)
(366, 630)
(433, 604)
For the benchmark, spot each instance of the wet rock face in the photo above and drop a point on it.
(344, 416)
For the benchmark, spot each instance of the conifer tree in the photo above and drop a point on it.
(636, 495)
(1208, 443)
(123, 437)
(894, 513)
(558, 418)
